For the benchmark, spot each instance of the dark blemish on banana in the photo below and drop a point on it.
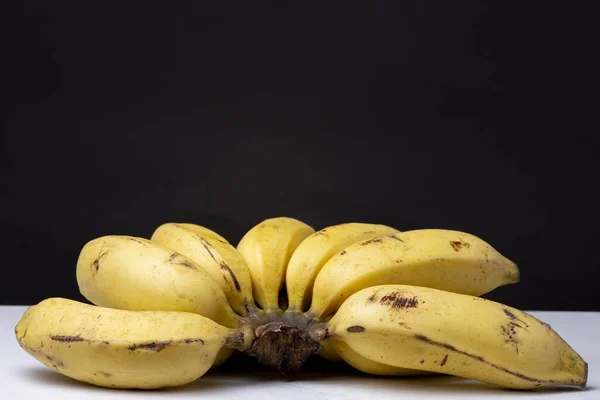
(173, 256)
(395, 300)
(236, 283)
(105, 342)
(458, 245)
(515, 324)
(105, 374)
(96, 263)
(374, 240)
(56, 362)
(396, 238)
(188, 341)
(372, 298)
(422, 361)
(514, 318)
(343, 252)
(481, 359)
(355, 329)
(510, 334)
(444, 360)
(153, 346)
(138, 241)
(187, 264)
(206, 244)
(66, 339)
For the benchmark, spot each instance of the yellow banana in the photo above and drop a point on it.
(309, 257)
(267, 249)
(385, 302)
(213, 254)
(371, 367)
(467, 336)
(442, 259)
(132, 273)
(124, 349)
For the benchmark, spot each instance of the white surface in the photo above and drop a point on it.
(24, 378)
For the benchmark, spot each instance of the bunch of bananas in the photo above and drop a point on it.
(167, 309)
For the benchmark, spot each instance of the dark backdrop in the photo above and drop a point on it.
(120, 116)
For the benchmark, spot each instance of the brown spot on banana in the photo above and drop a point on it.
(444, 360)
(513, 317)
(396, 238)
(55, 361)
(236, 283)
(207, 247)
(457, 245)
(187, 264)
(355, 329)
(66, 338)
(153, 346)
(161, 345)
(96, 262)
(374, 240)
(397, 301)
(105, 374)
(138, 241)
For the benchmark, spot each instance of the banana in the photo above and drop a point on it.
(124, 349)
(132, 273)
(309, 257)
(442, 259)
(456, 334)
(371, 367)
(267, 249)
(213, 254)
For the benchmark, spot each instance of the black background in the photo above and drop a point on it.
(120, 116)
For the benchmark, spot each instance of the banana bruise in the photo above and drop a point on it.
(213, 254)
(124, 349)
(442, 259)
(132, 273)
(310, 256)
(267, 248)
(466, 336)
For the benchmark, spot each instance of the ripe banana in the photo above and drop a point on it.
(386, 302)
(309, 257)
(371, 367)
(467, 336)
(267, 249)
(216, 256)
(132, 273)
(124, 349)
(442, 259)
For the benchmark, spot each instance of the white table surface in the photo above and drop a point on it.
(24, 378)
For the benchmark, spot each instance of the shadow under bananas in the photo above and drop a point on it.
(323, 376)
(242, 373)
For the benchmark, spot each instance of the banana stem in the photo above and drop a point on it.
(282, 340)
